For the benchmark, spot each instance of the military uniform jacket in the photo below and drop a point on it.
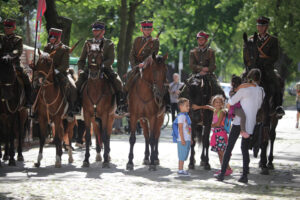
(270, 51)
(199, 59)
(13, 45)
(61, 56)
(108, 53)
(152, 46)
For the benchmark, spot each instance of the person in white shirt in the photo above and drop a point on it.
(251, 99)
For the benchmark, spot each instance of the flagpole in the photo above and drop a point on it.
(32, 79)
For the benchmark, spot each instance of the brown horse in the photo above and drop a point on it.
(146, 105)
(12, 113)
(51, 106)
(98, 105)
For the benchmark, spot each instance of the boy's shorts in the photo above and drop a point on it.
(183, 150)
(298, 106)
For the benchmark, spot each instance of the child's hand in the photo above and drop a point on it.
(183, 142)
(195, 107)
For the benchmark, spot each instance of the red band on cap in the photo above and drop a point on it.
(201, 34)
(56, 34)
(147, 24)
(9, 23)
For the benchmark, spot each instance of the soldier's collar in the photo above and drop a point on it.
(97, 41)
(202, 49)
(263, 38)
(55, 46)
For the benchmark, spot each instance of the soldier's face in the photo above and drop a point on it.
(201, 41)
(9, 30)
(98, 33)
(262, 29)
(54, 40)
(147, 31)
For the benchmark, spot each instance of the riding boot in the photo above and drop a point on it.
(63, 81)
(121, 102)
(78, 104)
(27, 86)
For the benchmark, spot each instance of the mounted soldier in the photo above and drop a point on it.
(12, 45)
(61, 64)
(202, 61)
(268, 54)
(98, 29)
(143, 47)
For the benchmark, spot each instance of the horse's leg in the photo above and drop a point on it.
(263, 154)
(67, 138)
(206, 146)
(58, 139)
(42, 135)
(22, 124)
(12, 161)
(192, 156)
(106, 140)
(6, 149)
(145, 127)
(159, 123)
(132, 140)
(97, 124)
(152, 122)
(87, 122)
(272, 139)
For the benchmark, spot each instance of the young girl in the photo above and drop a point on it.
(236, 109)
(219, 138)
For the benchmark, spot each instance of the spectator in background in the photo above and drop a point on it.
(174, 93)
(297, 103)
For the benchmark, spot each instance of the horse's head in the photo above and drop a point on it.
(156, 68)
(44, 64)
(95, 57)
(7, 77)
(250, 52)
(200, 90)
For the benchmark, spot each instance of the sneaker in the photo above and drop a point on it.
(228, 172)
(183, 173)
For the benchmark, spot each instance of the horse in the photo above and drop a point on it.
(146, 104)
(266, 119)
(200, 91)
(13, 114)
(99, 105)
(51, 106)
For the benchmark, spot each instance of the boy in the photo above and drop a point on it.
(184, 136)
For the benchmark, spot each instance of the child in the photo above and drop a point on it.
(184, 137)
(219, 138)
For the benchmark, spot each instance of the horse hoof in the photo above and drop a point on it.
(191, 166)
(12, 163)
(98, 158)
(20, 158)
(152, 167)
(105, 165)
(85, 164)
(71, 160)
(57, 164)
(129, 166)
(146, 162)
(37, 165)
(5, 157)
(270, 166)
(207, 167)
(264, 171)
(156, 162)
(202, 163)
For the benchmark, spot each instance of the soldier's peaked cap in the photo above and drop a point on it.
(54, 32)
(202, 34)
(98, 26)
(262, 21)
(9, 22)
(146, 24)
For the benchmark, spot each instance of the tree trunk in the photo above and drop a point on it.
(28, 31)
(55, 21)
(122, 39)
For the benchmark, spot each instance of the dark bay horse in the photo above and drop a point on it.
(12, 113)
(51, 106)
(266, 121)
(200, 91)
(98, 104)
(146, 104)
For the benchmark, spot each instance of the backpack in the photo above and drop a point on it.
(227, 123)
(175, 131)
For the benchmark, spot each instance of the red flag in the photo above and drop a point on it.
(40, 12)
